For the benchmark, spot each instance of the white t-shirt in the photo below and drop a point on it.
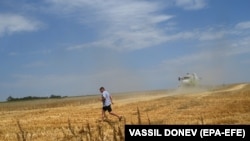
(107, 101)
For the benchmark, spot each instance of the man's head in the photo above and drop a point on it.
(102, 89)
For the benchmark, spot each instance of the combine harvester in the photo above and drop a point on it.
(190, 80)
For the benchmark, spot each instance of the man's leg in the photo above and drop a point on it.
(110, 112)
(119, 117)
(103, 114)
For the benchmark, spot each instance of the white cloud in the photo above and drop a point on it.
(191, 4)
(243, 25)
(134, 25)
(213, 51)
(122, 25)
(138, 37)
(181, 35)
(11, 23)
(224, 45)
(13, 53)
(212, 35)
(240, 46)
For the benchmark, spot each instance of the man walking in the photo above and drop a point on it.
(107, 101)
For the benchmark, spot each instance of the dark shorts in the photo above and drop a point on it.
(107, 108)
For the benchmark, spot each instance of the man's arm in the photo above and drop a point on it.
(111, 99)
(103, 98)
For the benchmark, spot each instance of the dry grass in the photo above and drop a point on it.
(77, 118)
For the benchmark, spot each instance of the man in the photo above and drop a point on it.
(107, 101)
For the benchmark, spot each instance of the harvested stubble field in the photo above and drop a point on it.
(77, 118)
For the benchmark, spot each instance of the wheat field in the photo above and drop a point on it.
(78, 118)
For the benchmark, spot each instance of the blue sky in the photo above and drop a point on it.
(74, 47)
